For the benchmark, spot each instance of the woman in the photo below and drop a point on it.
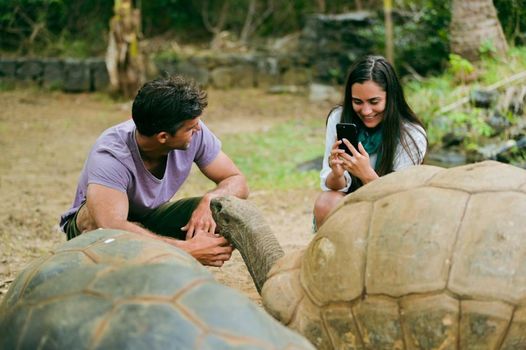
(390, 135)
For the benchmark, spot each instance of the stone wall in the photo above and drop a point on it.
(332, 42)
(326, 47)
(71, 75)
(225, 71)
(221, 71)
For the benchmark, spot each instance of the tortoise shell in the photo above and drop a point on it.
(110, 289)
(425, 258)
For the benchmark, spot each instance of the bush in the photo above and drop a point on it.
(512, 16)
(52, 27)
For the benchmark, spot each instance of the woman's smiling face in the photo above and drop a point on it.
(368, 101)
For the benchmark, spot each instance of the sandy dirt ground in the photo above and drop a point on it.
(44, 139)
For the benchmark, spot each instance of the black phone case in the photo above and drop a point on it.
(348, 131)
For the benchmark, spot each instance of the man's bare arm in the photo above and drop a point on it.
(227, 176)
(230, 182)
(108, 208)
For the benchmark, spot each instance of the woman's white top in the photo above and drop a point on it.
(402, 157)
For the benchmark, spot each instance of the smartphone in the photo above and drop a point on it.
(347, 131)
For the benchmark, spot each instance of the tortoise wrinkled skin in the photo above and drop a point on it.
(425, 258)
(109, 289)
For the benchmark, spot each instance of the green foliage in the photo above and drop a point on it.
(422, 38)
(428, 97)
(7, 85)
(487, 48)
(459, 64)
(269, 159)
(512, 16)
(31, 26)
(473, 123)
(460, 67)
(433, 92)
(494, 69)
(54, 27)
(336, 75)
(178, 16)
(167, 56)
(79, 28)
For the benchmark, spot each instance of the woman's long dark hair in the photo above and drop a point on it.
(377, 69)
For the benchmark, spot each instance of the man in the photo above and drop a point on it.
(136, 167)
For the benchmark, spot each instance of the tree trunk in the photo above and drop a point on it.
(322, 6)
(215, 28)
(123, 57)
(473, 23)
(359, 5)
(389, 40)
(254, 18)
(248, 26)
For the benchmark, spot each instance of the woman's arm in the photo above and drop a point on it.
(328, 180)
(412, 150)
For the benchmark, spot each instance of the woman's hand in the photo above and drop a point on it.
(358, 164)
(335, 161)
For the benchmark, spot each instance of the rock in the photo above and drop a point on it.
(490, 151)
(7, 68)
(516, 154)
(29, 70)
(288, 43)
(498, 122)
(200, 75)
(446, 159)
(296, 76)
(332, 42)
(237, 76)
(313, 164)
(286, 89)
(53, 76)
(483, 98)
(77, 76)
(320, 92)
(99, 78)
(267, 72)
(451, 139)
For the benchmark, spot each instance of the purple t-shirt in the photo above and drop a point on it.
(115, 162)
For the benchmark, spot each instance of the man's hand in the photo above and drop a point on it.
(208, 249)
(201, 219)
(229, 181)
(108, 208)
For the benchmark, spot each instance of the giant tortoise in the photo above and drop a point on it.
(110, 289)
(425, 258)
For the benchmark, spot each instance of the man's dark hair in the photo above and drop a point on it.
(164, 104)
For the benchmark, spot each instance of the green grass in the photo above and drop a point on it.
(269, 159)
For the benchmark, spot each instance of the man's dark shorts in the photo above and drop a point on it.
(165, 220)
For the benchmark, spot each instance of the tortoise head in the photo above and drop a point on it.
(244, 226)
